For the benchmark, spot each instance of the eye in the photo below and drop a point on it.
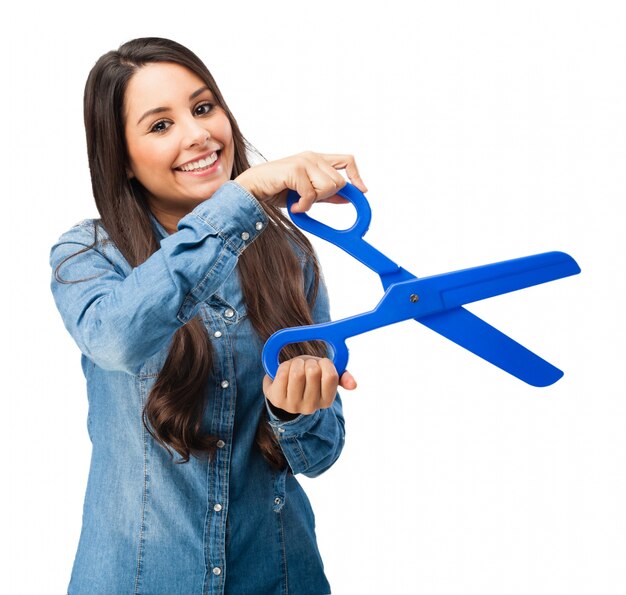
(202, 109)
(160, 126)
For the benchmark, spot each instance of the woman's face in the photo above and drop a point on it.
(180, 144)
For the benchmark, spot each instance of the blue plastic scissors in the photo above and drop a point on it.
(437, 301)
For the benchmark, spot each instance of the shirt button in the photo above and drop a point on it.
(225, 384)
(245, 236)
(217, 571)
(281, 430)
(258, 226)
(217, 334)
(220, 444)
(229, 312)
(277, 500)
(217, 507)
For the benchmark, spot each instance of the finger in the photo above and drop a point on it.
(347, 381)
(348, 163)
(325, 179)
(338, 180)
(296, 385)
(275, 391)
(332, 173)
(330, 379)
(324, 182)
(303, 185)
(312, 391)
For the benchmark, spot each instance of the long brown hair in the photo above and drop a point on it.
(173, 410)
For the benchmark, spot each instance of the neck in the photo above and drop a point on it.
(168, 217)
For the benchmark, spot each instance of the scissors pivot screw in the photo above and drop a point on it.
(414, 298)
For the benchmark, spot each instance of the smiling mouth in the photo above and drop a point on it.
(201, 164)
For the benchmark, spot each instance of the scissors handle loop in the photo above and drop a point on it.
(351, 239)
(349, 192)
(280, 339)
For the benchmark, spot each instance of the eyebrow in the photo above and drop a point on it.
(158, 110)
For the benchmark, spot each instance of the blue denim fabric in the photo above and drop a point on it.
(151, 526)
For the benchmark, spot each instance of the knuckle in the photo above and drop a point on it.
(313, 372)
(297, 366)
(304, 156)
(331, 372)
(282, 371)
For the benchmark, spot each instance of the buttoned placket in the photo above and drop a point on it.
(221, 425)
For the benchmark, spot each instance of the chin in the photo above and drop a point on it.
(211, 187)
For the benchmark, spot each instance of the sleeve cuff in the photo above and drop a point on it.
(233, 214)
(293, 427)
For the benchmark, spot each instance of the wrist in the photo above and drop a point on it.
(281, 414)
(243, 179)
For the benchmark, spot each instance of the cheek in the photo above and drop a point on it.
(145, 158)
(227, 139)
(224, 130)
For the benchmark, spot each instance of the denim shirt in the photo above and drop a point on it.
(151, 526)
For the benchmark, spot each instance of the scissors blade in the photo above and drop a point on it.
(478, 283)
(474, 334)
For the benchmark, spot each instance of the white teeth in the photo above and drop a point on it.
(210, 160)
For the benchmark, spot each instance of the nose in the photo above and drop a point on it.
(194, 133)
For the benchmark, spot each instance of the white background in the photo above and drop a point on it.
(485, 130)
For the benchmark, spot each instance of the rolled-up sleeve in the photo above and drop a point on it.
(120, 318)
(312, 443)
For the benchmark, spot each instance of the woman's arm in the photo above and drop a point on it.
(119, 320)
(312, 442)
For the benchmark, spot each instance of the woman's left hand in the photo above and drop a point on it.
(304, 384)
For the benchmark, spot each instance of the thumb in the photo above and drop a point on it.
(347, 381)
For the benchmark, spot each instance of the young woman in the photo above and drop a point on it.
(170, 296)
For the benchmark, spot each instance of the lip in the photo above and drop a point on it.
(198, 157)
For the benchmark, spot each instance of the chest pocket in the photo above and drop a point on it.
(230, 295)
(227, 303)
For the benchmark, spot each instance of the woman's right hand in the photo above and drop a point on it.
(314, 176)
(304, 384)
